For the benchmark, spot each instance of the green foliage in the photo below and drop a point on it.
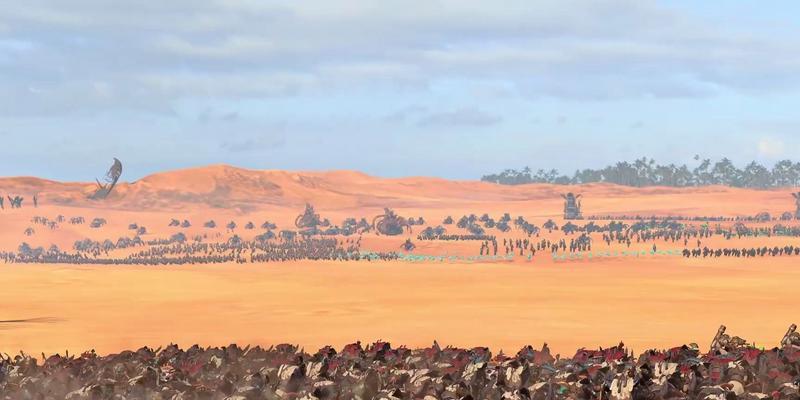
(645, 172)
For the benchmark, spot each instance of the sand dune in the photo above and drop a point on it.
(228, 188)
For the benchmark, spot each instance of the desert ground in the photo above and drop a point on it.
(653, 301)
(651, 304)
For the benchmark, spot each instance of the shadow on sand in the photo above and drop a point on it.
(14, 323)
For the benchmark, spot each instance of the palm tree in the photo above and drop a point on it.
(701, 175)
(725, 173)
(755, 176)
(782, 174)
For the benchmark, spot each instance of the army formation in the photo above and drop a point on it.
(730, 369)
(761, 217)
(751, 252)
(316, 238)
(178, 250)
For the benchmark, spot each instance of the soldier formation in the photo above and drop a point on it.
(16, 201)
(13, 202)
(749, 252)
(731, 369)
(570, 204)
(318, 239)
(178, 250)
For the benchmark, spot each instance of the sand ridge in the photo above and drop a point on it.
(222, 187)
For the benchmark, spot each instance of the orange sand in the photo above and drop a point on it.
(648, 302)
(653, 303)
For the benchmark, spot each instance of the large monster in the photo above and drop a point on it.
(111, 178)
(390, 224)
(310, 220)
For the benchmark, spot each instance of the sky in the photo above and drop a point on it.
(448, 88)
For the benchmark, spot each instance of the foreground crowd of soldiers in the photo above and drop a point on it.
(732, 369)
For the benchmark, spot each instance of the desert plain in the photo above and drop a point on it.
(652, 301)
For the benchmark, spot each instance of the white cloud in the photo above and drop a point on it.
(771, 148)
(461, 117)
(234, 46)
(64, 66)
(164, 51)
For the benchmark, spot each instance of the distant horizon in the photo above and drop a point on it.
(126, 179)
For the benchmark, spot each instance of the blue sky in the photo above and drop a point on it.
(454, 88)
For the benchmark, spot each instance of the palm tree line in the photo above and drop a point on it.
(646, 172)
